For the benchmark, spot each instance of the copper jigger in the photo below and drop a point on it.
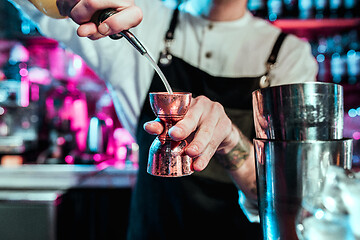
(167, 157)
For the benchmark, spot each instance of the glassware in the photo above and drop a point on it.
(327, 215)
(318, 223)
(166, 156)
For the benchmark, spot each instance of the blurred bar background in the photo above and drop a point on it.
(70, 176)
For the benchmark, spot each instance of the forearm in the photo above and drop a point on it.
(245, 177)
(240, 164)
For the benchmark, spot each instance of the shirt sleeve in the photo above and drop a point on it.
(250, 208)
(295, 63)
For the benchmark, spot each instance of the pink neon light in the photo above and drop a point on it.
(39, 75)
(97, 157)
(80, 122)
(121, 153)
(64, 112)
(122, 136)
(23, 72)
(22, 65)
(24, 89)
(102, 165)
(35, 92)
(109, 122)
(49, 102)
(60, 141)
(111, 146)
(356, 135)
(69, 159)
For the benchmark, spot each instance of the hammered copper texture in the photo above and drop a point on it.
(166, 156)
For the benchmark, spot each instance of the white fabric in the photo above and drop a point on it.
(250, 208)
(239, 49)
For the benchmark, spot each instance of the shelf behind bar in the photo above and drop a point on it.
(317, 24)
(313, 28)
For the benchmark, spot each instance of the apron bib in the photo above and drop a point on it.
(204, 204)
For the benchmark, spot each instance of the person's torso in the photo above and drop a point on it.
(204, 197)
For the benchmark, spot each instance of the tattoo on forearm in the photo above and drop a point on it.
(235, 158)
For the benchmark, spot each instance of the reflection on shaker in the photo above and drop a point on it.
(334, 213)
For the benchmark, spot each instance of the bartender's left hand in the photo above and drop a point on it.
(207, 129)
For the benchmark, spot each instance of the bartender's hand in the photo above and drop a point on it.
(209, 130)
(82, 12)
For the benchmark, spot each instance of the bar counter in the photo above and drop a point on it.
(48, 202)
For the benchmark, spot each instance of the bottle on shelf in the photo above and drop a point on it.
(338, 61)
(338, 57)
(306, 9)
(321, 9)
(275, 9)
(322, 57)
(353, 57)
(258, 8)
(336, 8)
(290, 8)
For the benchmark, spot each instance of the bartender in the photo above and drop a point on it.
(219, 52)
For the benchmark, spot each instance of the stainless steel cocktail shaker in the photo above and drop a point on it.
(299, 132)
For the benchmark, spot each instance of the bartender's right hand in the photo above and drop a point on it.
(82, 12)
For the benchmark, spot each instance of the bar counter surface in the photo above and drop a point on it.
(54, 202)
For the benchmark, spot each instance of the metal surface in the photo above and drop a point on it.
(167, 157)
(305, 111)
(282, 169)
(28, 214)
(63, 177)
(48, 202)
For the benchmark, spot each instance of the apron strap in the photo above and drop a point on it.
(174, 20)
(265, 79)
(165, 56)
(274, 52)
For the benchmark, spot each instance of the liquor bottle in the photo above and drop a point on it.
(350, 8)
(258, 8)
(321, 9)
(353, 57)
(321, 52)
(336, 8)
(306, 9)
(338, 60)
(291, 8)
(275, 9)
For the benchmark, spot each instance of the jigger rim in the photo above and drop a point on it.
(170, 94)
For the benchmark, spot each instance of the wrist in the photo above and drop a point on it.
(236, 156)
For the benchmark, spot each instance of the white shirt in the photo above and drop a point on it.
(238, 49)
